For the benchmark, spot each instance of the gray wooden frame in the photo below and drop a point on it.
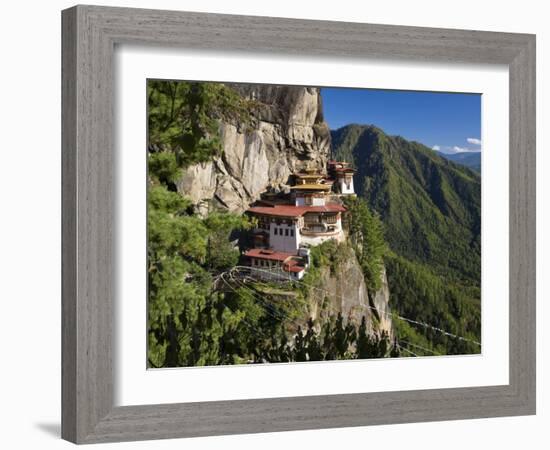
(89, 36)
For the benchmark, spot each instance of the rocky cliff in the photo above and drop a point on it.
(287, 133)
(342, 289)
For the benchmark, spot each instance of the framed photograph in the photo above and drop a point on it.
(268, 230)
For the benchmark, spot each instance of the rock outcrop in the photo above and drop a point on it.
(287, 133)
(343, 290)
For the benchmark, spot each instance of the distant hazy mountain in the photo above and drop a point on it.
(471, 160)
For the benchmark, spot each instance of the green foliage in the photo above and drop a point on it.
(187, 320)
(331, 254)
(222, 251)
(190, 324)
(170, 231)
(431, 210)
(367, 236)
(416, 292)
(336, 340)
(164, 167)
(369, 346)
(430, 207)
(183, 119)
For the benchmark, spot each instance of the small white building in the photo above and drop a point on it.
(345, 183)
(310, 189)
(342, 175)
(280, 225)
(271, 265)
(323, 224)
(284, 228)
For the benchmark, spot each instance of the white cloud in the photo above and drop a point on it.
(451, 150)
(457, 149)
(474, 141)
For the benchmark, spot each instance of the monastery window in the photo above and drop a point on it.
(275, 231)
(292, 233)
(286, 232)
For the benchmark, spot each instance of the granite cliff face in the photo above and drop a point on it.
(287, 133)
(344, 291)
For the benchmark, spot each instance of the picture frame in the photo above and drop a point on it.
(89, 37)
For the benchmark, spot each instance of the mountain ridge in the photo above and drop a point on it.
(419, 195)
(468, 159)
(431, 211)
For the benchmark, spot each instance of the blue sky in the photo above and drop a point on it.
(447, 122)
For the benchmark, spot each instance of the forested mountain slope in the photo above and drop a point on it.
(431, 210)
(471, 160)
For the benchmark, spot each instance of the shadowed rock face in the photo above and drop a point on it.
(344, 291)
(287, 132)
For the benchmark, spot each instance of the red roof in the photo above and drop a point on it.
(331, 207)
(295, 211)
(295, 269)
(293, 266)
(272, 255)
(278, 210)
